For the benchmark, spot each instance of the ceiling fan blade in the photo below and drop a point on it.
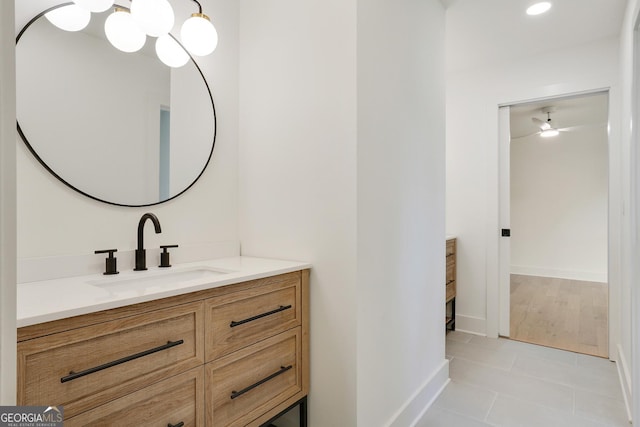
(543, 125)
(578, 127)
(524, 136)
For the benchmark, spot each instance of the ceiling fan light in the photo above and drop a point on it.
(170, 52)
(199, 35)
(538, 8)
(94, 5)
(155, 17)
(69, 18)
(549, 133)
(123, 33)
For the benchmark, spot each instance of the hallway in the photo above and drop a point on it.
(509, 383)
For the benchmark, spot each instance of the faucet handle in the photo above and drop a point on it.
(111, 262)
(164, 256)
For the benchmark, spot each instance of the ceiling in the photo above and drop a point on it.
(572, 112)
(483, 32)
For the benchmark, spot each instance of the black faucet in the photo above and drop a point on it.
(141, 256)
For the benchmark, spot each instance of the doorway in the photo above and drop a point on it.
(557, 195)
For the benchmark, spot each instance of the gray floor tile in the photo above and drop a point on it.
(497, 358)
(509, 383)
(466, 399)
(438, 417)
(543, 352)
(510, 412)
(600, 380)
(458, 336)
(593, 362)
(601, 408)
(519, 386)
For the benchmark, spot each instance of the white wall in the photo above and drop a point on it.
(54, 220)
(559, 205)
(473, 97)
(7, 207)
(629, 345)
(340, 166)
(401, 238)
(298, 172)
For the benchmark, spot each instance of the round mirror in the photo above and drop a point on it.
(121, 128)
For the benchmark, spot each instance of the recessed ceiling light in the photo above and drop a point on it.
(539, 8)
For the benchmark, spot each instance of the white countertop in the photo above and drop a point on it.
(49, 300)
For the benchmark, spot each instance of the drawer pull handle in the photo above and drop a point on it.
(282, 370)
(73, 375)
(450, 282)
(259, 316)
(180, 424)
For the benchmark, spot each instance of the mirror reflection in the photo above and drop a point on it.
(122, 128)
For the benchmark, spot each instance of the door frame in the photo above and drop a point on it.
(498, 294)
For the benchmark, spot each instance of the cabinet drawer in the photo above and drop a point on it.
(451, 291)
(176, 400)
(451, 247)
(248, 383)
(242, 318)
(86, 367)
(451, 270)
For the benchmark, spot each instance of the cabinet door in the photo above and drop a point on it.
(245, 385)
(242, 318)
(451, 270)
(86, 367)
(171, 402)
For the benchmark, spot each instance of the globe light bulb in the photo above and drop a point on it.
(170, 52)
(123, 33)
(94, 5)
(199, 35)
(154, 17)
(69, 18)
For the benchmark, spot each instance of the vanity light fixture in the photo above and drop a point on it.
(154, 17)
(69, 18)
(538, 8)
(198, 34)
(122, 32)
(126, 29)
(170, 52)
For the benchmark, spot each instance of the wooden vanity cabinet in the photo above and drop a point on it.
(178, 399)
(63, 368)
(236, 355)
(450, 285)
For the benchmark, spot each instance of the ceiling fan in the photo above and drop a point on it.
(547, 128)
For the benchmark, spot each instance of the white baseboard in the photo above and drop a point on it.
(471, 325)
(625, 380)
(414, 409)
(587, 276)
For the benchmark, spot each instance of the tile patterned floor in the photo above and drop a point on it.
(510, 383)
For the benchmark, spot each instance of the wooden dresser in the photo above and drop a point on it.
(236, 355)
(450, 284)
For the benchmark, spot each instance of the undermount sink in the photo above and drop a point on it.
(156, 279)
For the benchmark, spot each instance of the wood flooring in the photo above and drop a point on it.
(566, 314)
